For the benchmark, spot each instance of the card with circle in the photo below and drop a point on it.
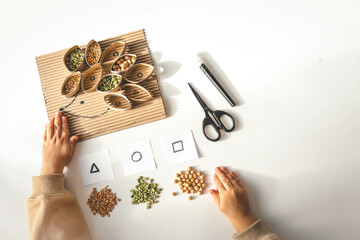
(96, 167)
(137, 157)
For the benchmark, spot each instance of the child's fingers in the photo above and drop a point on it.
(65, 129)
(220, 187)
(216, 196)
(58, 128)
(236, 179)
(223, 178)
(229, 176)
(50, 128)
(45, 133)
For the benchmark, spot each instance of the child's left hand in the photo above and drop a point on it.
(58, 146)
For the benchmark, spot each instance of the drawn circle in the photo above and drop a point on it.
(136, 156)
(92, 78)
(118, 104)
(82, 102)
(115, 54)
(139, 75)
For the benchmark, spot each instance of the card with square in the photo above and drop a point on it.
(179, 148)
(96, 167)
(137, 157)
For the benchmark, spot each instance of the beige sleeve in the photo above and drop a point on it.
(257, 231)
(53, 211)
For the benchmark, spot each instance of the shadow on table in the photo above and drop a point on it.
(165, 70)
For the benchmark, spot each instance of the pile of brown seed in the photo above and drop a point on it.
(102, 202)
(71, 84)
(190, 181)
(93, 54)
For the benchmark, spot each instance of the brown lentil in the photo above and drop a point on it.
(102, 202)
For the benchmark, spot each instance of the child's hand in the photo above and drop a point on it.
(58, 146)
(232, 200)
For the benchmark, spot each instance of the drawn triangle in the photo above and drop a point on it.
(135, 92)
(94, 168)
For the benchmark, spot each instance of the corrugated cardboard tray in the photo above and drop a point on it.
(87, 114)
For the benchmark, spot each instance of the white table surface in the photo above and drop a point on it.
(294, 66)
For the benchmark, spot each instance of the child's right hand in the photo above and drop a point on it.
(58, 146)
(232, 200)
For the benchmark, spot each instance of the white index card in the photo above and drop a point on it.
(137, 157)
(179, 148)
(96, 167)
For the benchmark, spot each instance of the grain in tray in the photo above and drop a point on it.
(71, 84)
(74, 59)
(93, 53)
(123, 63)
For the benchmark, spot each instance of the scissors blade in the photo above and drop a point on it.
(202, 103)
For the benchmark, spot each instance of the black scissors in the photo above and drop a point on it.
(213, 119)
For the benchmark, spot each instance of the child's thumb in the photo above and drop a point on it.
(215, 195)
(73, 140)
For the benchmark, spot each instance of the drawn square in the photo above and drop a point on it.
(178, 146)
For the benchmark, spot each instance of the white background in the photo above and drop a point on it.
(295, 66)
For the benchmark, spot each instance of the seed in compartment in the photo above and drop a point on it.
(123, 63)
(108, 83)
(71, 84)
(74, 59)
(93, 54)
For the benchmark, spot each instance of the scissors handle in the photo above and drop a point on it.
(211, 130)
(218, 114)
(213, 122)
